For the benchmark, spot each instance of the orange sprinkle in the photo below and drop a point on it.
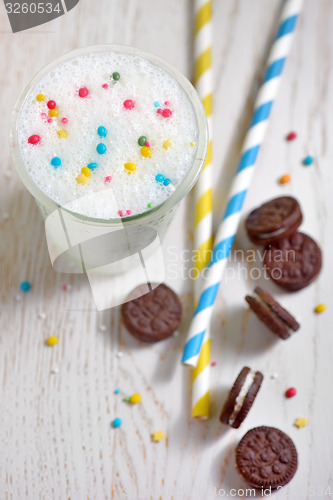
(285, 179)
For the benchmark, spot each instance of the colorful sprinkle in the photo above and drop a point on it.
(166, 103)
(117, 391)
(56, 162)
(148, 144)
(129, 104)
(150, 205)
(83, 92)
(65, 287)
(320, 308)
(166, 113)
(53, 112)
(25, 286)
(51, 341)
(128, 212)
(167, 144)
(135, 398)
(108, 178)
(291, 392)
(300, 422)
(105, 86)
(51, 104)
(166, 182)
(157, 436)
(157, 104)
(82, 179)
(159, 177)
(116, 76)
(291, 136)
(146, 152)
(308, 160)
(40, 97)
(159, 111)
(192, 143)
(121, 213)
(130, 167)
(62, 134)
(117, 422)
(101, 148)
(64, 120)
(285, 179)
(142, 140)
(34, 139)
(126, 399)
(102, 131)
(92, 165)
(214, 363)
(85, 171)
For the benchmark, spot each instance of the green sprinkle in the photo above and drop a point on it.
(115, 76)
(142, 140)
(150, 205)
(126, 399)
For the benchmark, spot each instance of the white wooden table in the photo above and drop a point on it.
(56, 441)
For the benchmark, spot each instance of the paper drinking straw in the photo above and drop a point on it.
(203, 223)
(228, 226)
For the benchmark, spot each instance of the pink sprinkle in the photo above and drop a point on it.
(148, 145)
(166, 103)
(128, 212)
(105, 86)
(159, 111)
(122, 213)
(166, 113)
(214, 363)
(108, 178)
(49, 120)
(64, 287)
(44, 115)
(83, 92)
(64, 120)
(129, 104)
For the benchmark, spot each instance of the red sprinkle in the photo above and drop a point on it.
(128, 212)
(291, 136)
(108, 178)
(159, 111)
(64, 120)
(51, 104)
(291, 392)
(214, 363)
(166, 113)
(34, 139)
(105, 86)
(129, 104)
(83, 92)
(64, 287)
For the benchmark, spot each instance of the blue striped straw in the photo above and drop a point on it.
(229, 223)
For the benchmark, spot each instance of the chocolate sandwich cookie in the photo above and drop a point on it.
(270, 312)
(294, 262)
(266, 458)
(153, 316)
(274, 220)
(241, 397)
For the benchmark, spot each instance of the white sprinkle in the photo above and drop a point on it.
(119, 354)
(176, 333)
(54, 370)
(41, 315)
(102, 328)
(274, 376)
(5, 215)
(18, 297)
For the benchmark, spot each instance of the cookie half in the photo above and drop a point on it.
(266, 458)
(272, 314)
(152, 316)
(294, 262)
(241, 397)
(274, 220)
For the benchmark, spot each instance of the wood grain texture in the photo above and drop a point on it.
(55, 436)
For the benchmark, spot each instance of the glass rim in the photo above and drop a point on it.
(180, 192)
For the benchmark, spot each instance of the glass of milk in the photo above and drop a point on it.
(108, 140)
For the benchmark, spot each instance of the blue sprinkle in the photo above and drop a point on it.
(25, 286)
(117, 422)
(157, 104)
(308, 160)
(101, 148)
(117, 391)
(166, 182)
(92, 166)
(56, 162)
(159, 178)
(102, 131)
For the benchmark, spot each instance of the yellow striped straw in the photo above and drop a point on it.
(203, 230)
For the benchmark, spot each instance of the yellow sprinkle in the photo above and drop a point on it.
(157, 436)
(192, 144)
(135, 398)
(82, 179)
(40, 97)
(85, 171)
(130, 167)
(53, 340)
(320, 308)
(53, 112)
(300, 422)
(62, 134)
(145, 151)
(167, 144)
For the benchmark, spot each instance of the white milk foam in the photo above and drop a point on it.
(141, 81)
